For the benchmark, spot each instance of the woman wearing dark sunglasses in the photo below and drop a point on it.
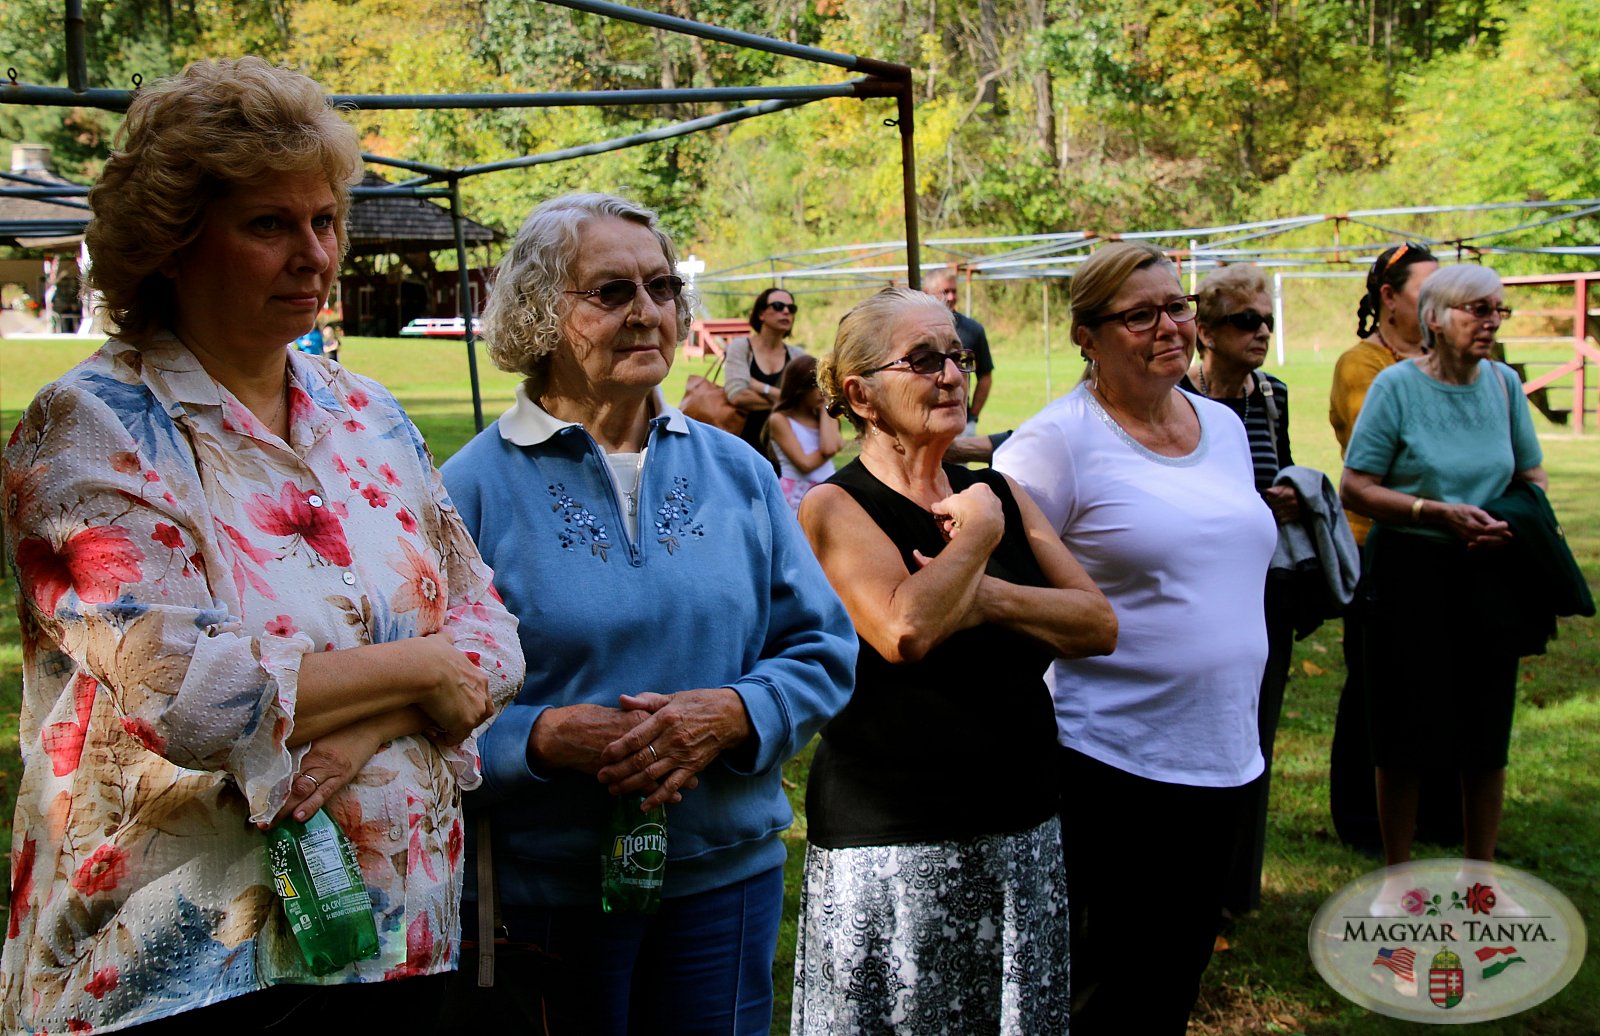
(1234, 332)
(935, 902)
(1150, 487)
(754, 365)
(1439, 437)
(685, 644)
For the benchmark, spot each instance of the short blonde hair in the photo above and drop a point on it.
(1097, 281)
(187, 141)
(862, 343)
(523, 318)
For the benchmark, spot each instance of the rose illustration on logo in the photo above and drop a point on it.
(1447, 941)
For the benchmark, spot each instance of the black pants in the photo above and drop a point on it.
(1146, 862)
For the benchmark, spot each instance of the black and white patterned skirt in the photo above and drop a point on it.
(962, 938)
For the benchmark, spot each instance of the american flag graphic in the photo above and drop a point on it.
(1398, 961)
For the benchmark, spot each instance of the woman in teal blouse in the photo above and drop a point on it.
(1439, 437)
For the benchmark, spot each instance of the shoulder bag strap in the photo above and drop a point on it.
(1272, 413)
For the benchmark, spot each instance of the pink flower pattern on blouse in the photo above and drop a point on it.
(177, 560)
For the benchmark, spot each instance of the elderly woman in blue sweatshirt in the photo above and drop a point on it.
(682, 640)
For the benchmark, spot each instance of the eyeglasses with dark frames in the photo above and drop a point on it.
(784, 307)
(619, 293)
(932, 361)
(1140, 319)
(1482, 310)
(1250, 320)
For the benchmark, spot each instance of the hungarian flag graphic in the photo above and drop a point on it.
(1486, 952)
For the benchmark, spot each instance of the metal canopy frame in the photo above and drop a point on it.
(1057, 255)
(869, 265)
(876, 79)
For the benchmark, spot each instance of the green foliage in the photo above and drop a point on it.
(1031, 115)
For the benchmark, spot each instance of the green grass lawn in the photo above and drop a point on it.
(1265, 982)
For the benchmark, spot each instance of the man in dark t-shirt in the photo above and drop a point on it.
(942, 284)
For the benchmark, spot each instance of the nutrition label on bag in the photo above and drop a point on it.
(324, 862)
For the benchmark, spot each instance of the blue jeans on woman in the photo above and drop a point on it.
(701, 965)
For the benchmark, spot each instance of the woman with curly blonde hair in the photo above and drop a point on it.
(245, 596)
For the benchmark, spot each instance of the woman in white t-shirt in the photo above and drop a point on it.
(1152, 489)
(801, 436)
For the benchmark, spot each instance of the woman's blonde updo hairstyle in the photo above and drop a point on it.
(1097, 281)
(522, 321)
(863, 343)
(187, 141)
(1227, 290)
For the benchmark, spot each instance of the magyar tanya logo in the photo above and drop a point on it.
(1448, 941)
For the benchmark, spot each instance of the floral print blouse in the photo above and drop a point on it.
(176, 560)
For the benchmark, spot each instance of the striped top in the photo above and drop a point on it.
(1252, 410)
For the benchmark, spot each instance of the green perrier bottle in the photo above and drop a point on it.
(635, 858)
(315, 871)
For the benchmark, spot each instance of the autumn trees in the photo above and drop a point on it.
(1032, 115)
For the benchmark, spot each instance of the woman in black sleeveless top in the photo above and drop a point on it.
(934, 895)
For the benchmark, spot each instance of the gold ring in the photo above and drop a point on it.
(654, 758)
(314, 782)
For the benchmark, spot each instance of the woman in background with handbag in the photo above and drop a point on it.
(755, 365)
(1438, 437)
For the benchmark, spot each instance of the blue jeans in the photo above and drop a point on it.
(702, 965)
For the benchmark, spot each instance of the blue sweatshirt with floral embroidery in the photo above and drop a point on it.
(719, 589)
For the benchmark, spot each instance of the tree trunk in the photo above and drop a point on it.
(989, 57)
(697, 49)
(1044, 94)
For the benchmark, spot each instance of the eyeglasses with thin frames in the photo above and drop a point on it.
(1140, 319)
(618, 293)
(1482, 310)
(932, 361)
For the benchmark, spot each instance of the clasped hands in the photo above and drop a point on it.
(1476, 527)
(652, 744)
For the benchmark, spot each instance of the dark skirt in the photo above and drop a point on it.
(1441, 677)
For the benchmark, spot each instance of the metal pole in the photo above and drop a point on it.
(908, 174)
(464, 302)
(77, 62)
(734, 36)
(1046, 287)
(1277, 312)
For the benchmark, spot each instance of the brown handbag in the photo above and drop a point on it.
(704, 400)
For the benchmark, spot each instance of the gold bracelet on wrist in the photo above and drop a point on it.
(1416, 510)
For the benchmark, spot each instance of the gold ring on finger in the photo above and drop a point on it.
(654, 758)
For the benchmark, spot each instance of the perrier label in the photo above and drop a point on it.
(635, 858)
